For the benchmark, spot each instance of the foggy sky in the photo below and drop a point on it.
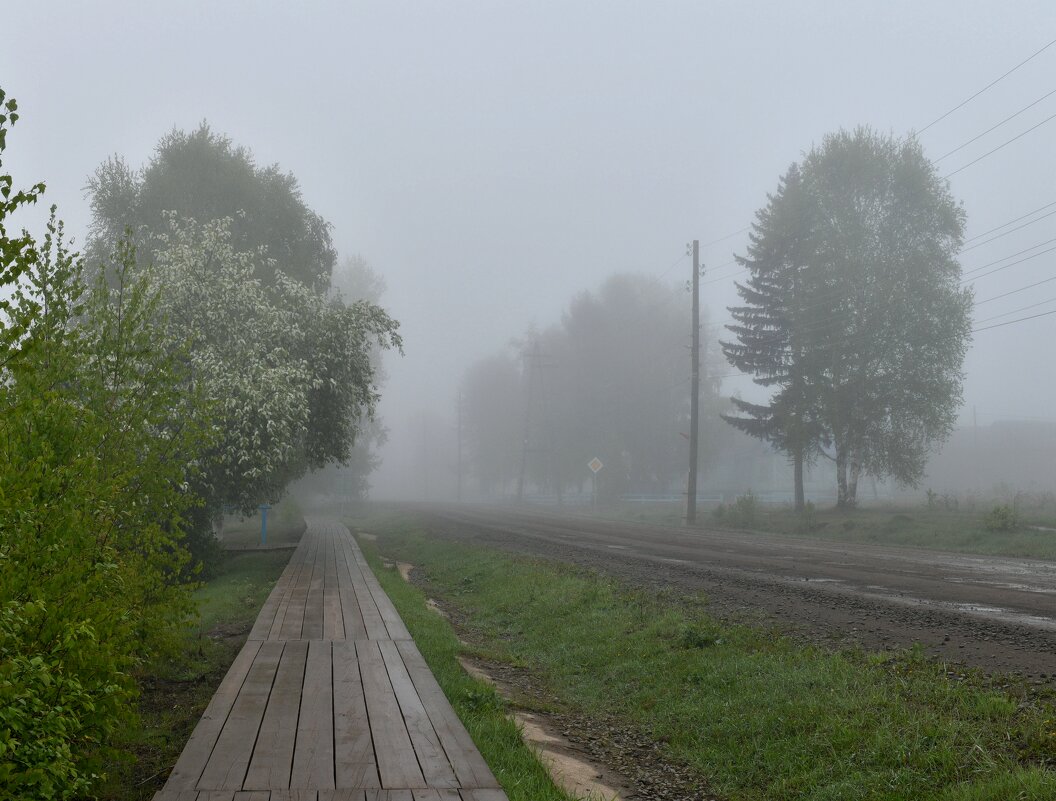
(492, 159)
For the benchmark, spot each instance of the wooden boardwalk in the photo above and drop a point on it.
(329, 700)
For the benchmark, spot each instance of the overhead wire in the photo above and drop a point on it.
(989, 86)
(993, 127)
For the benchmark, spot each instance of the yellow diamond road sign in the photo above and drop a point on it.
(595, 464)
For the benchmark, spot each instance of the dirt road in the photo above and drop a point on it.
(994, 613)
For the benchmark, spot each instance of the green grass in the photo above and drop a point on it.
(175, 693)
(959, 532)
(755, 714)
(285, 526)
(914, 526)
(479, 707)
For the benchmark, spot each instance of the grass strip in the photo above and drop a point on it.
(916, 527)
(757, 715)
(480, 708)
(175, 693)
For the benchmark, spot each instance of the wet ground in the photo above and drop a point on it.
(992, 613)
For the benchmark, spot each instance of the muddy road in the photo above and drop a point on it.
(993, 613)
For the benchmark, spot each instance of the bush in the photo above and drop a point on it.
(742, 513)
(1001, 518)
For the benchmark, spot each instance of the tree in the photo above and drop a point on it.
(854, 309)
(288, 370)
(772, 327)
(201, 175)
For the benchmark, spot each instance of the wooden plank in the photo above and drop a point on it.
(294, 795)
(269, 769)
(333, 619)
(484, 794)
(432, 759)
(216, 795)
(354, 761)
(313, 756)
(469, 766)
(253, 795)
(435, 794)
(368, 608)
(294, 618)
(397, 762)
(229, 760)
(294, 568)
(175, 795)
(312, 628)
(356, 627)
(192, 761)
(266, 617)
(346, 794)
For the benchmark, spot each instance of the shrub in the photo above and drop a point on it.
(1001, 518)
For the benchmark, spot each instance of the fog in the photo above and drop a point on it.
(492, 161)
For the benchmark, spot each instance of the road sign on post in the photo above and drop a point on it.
(595, 465)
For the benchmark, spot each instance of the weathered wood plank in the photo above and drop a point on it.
(294, 618)
(175, 795)
(333, 618)
(253, 795)
(368, 607)
(312, 627)
(195, 755)
(226, 768)
(346, 794)
(354, 761)
(397, 762)
(484, 794)
(469, 766)
(269, 769)
(432, 759)
(313, 756)
(294, 569)
(262, 625)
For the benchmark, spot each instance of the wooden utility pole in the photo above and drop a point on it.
(694, 390)
(459, 491)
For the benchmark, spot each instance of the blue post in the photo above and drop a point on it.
(264, 523)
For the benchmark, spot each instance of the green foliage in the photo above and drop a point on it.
(202, 175)
(1002, 517)
(96, 435)
(742, 513)
(854, 311)
(288, 371)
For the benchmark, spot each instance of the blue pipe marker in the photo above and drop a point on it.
(264, 523)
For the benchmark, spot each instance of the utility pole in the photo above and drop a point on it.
(459, 491)
(694, 397)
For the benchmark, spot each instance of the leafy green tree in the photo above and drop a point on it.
(288, 370)
(203, 176)
(95, 445)
(862, 324)
(773, 326)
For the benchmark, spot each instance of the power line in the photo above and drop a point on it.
(1016, 291)
(1006, 258)
(1001, 146)
(1013, 322)
(1011, 230)
(1006, 224)
(993, 83)
(1015, 311)
(994, 127)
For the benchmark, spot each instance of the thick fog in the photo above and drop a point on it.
(492, 160)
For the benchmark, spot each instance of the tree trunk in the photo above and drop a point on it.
(841, 476)
(852, 486)
(797, 461)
